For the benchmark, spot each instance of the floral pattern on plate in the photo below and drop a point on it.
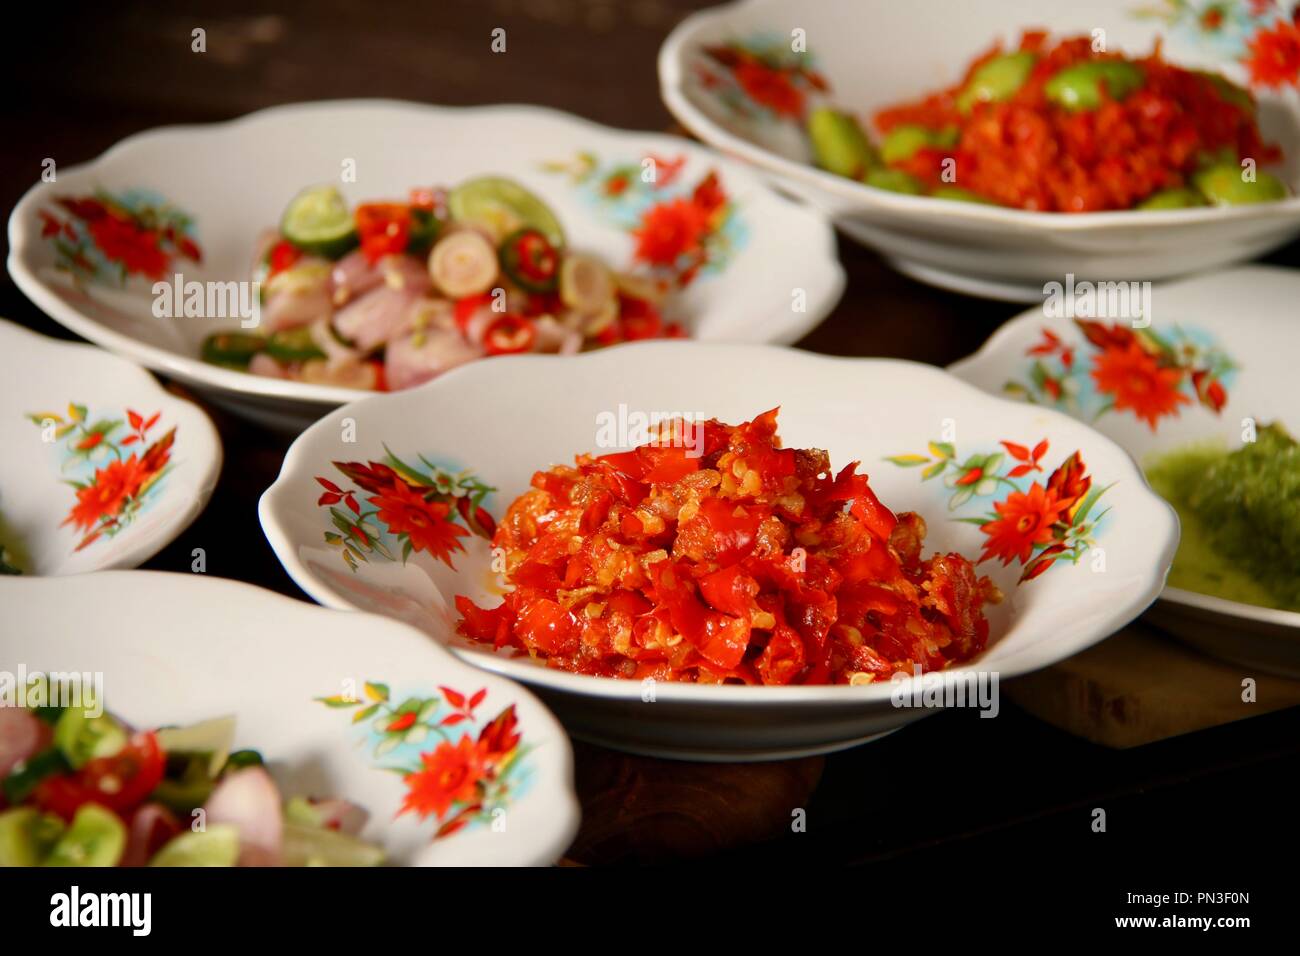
(1147, 374)
(681, 230)
(1036, 525)
(410, 510)
(107, 237)
(761, 78)
(1262, 35)
(109, 496)
(469, 777)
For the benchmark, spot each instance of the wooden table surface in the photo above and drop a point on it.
(947, 787)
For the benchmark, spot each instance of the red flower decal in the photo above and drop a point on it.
(1137, 382)
(427, 524)
(1024, 520)
(1273, 55)
(421, 510)
(448, 775)
(671, 230)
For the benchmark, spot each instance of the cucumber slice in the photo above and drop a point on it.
(218, 845)
(243, 758)
(318, 221)
(300, 812)
(231, 349)
(213, 737)
(425, 229)
(39, 689)
(312, 846)
(96, 838)
(502, 206)
(293, 345)
(81, 738)
(187, 784)
(27, 836)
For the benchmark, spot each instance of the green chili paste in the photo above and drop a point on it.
(1240, 514)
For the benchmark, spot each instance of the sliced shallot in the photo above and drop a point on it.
(420, 356)
(354, 275)
(249, 800)
(22, 734)
(375, 318)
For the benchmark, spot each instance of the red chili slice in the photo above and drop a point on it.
(733, 533)
(674, 592)
(534, 574)
(666, 465)
(729, 590)
(466, 308)
(726, 640)
(783, 658)
(876, 563)
(639, 319)
(383, 228)
(868, 509)
(509, 335)
(549, 626)
(531, 260)
(628, 602)
(485, 624)
(425, 199)
(627, 463)
(282, 256)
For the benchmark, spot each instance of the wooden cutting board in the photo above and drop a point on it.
(1141, 686)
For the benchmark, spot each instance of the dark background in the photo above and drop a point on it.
(970, 800)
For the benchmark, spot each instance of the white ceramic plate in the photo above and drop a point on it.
(504, 420)
(231, 181)
(101, 468)
(176, 649)
(1245, 316)
(889, 53)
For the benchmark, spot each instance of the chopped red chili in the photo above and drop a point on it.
(383, 228)
(734, 561)
(1029, 152)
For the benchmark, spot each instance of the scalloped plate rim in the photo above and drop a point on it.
(295, 463)
(236, 599)
(195, 371)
